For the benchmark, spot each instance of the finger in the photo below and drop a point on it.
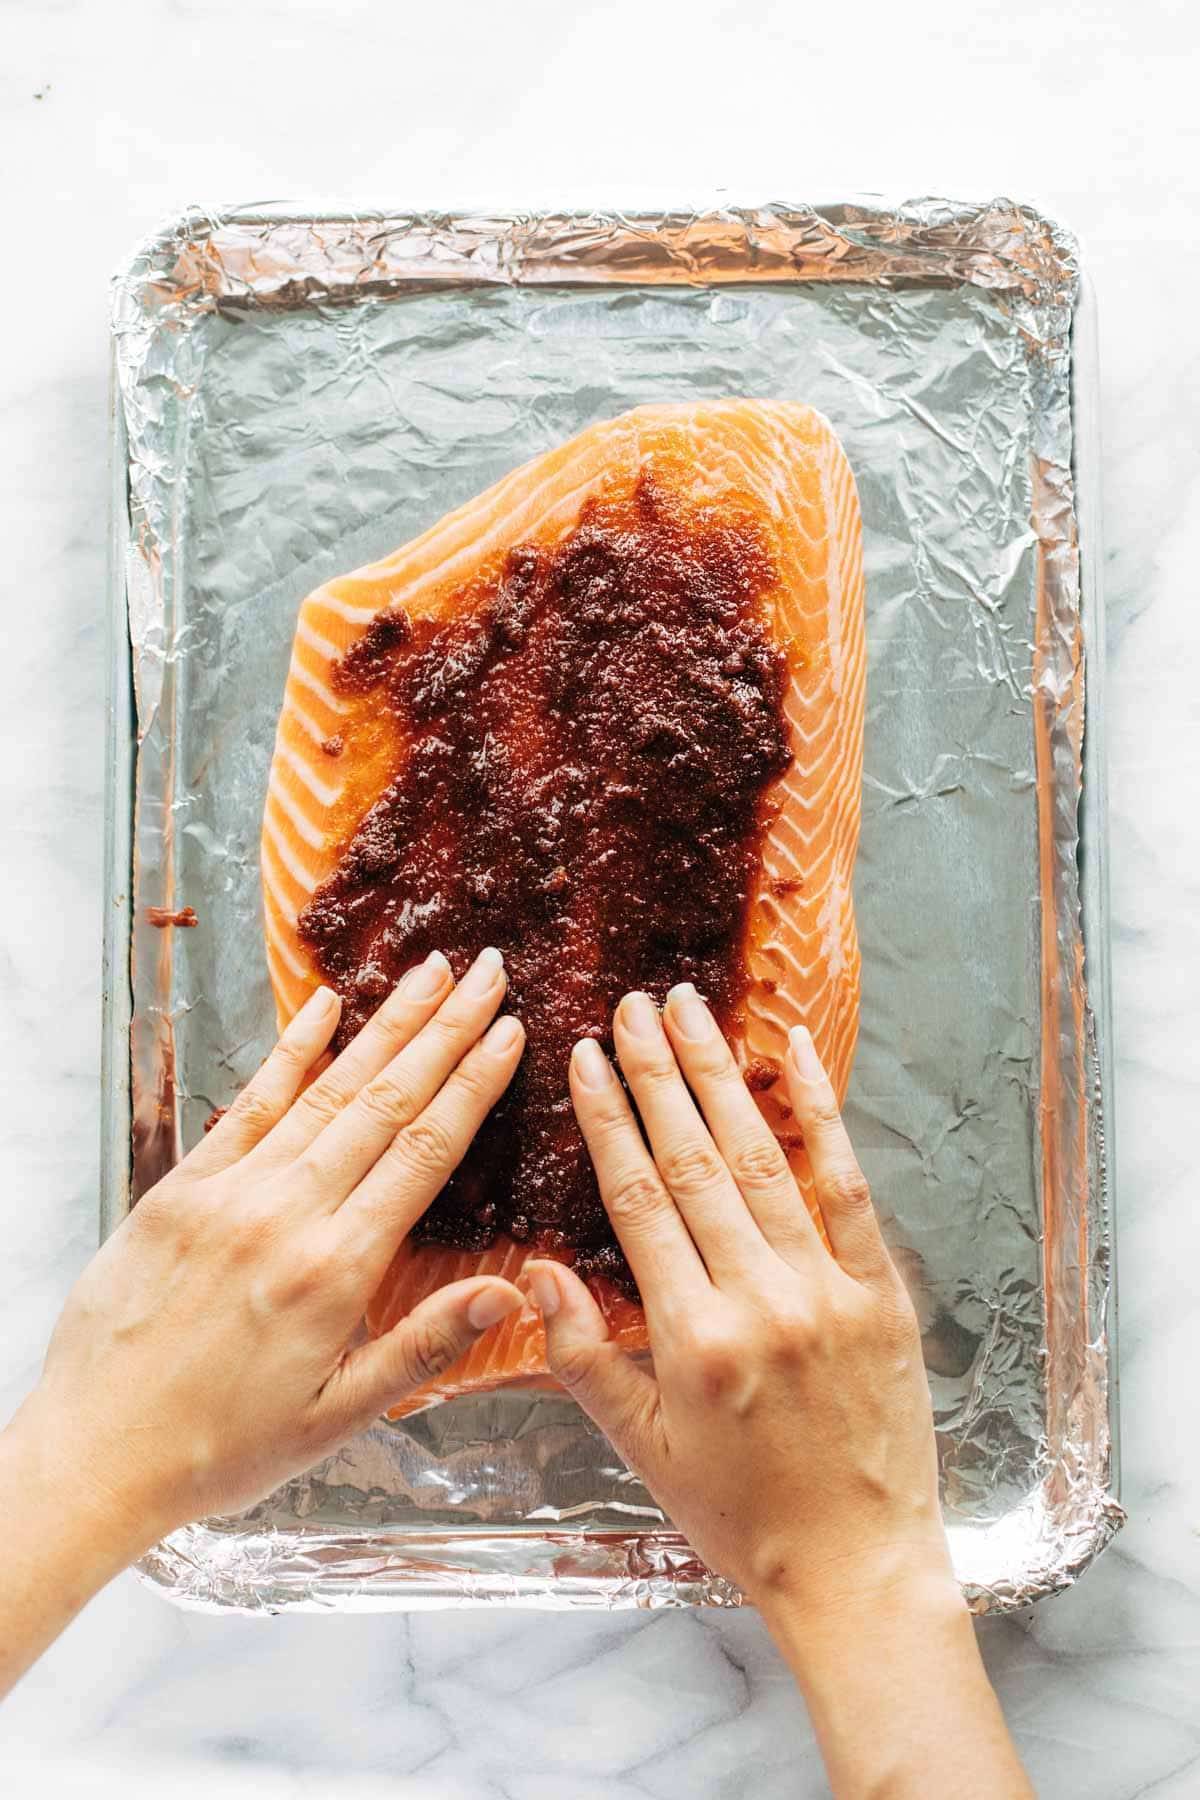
(658, 1247)
(621, 1397)
(340, 1156)
(841, 1187)
(422, 1156)
(267, 1096)
(420, 1349)
(742, 1136)
(690, 1164)
(410, 1005)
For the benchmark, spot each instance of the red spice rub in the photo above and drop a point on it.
(586, 755)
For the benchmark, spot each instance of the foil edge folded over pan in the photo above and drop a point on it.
(290, 258)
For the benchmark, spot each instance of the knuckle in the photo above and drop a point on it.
(324, 1101)
(847, 1190)
(388, 1100)
(690, 1168)
(445, 1032)
(609, 1121)
(248, 1233)
(791, 1333)
(254, 1110)
(472, 1081)
(636, 1198)
(308, 1177)
(392, 1025)
(715, 1353)
(758, 1164)
(305, 1278)
(656, 1072)
(291, 1277)
(426, 1146)
(824, 1114)
(429, 1349)
(716, 1372)
(291, 1055)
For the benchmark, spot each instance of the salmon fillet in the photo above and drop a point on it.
(773, 466)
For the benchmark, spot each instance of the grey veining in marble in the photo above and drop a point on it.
(1087, 110)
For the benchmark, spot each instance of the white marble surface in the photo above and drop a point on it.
(1088, 110)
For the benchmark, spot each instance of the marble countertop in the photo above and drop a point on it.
(114, 117)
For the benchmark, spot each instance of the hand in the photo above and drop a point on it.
(787, 1426)
(206, 1353)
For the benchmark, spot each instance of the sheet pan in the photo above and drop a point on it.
(298, 389)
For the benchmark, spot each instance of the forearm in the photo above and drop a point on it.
(65, 1537)
(898, 1694)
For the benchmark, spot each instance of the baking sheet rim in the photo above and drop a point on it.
(416, 1588)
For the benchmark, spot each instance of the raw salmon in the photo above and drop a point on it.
(777, 464)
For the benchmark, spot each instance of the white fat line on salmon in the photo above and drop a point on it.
(792, 974)
(799, 706)
(282, 912)
(298, 820)
(831, 919)
(322, 645)
(282, 850)
(778, 1013)
(814, 777)
(828, 747)
(773, 460)
(427, 1267)
(804, 962)
(282, 916)
(321, 792)
(835, 609)
(799, 843)
(815, 800)
(509, 526)
(767, 1031)
(355, 614)
(308, 680)
(509, 529)
(278, 950)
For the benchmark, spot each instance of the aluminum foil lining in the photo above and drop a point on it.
(301, 391)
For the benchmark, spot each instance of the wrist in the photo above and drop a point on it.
(787, 1570)
(863, 1603)
(895, 1685)
(90, 1506)
(65, 1535)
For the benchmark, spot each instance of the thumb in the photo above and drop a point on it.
(419, 1348)
(618, 1395)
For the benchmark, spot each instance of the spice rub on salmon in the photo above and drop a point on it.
(609, 718)
(583, 748)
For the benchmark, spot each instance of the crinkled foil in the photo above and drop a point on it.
(300, 391)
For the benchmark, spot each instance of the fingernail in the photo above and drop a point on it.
(804, 1053)
(504, 1034)
(591, 1065)
(689, 1011)
(545, 1292)
(481, 976)
(640, 1015)
(423, 982)
(490, 1307)
(320, 1000)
